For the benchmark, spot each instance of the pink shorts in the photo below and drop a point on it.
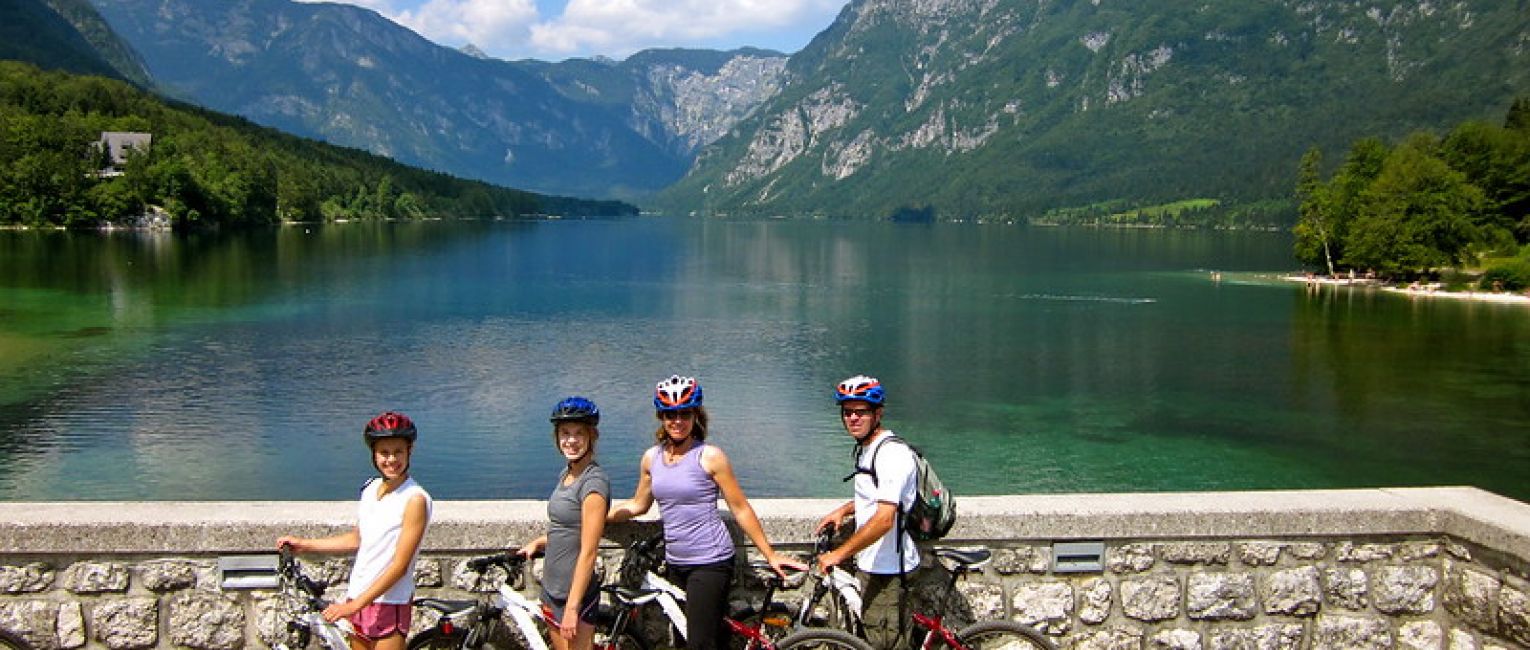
(379, 620)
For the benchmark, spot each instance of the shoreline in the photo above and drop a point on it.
(1431, 290)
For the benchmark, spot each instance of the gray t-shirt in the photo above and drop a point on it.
(564, 516)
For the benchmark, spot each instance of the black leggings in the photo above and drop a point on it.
(706, 598)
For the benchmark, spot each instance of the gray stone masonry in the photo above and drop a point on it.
(1424, 568)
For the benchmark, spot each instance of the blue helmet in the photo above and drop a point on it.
(677, 393)
(575, 409)
(860, 388)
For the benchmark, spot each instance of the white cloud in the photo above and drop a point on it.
(616, 28)
(485, 23)
(620, 27)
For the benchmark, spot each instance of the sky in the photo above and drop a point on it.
(554, 30)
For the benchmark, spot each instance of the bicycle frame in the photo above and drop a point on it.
(837, 580)
(296, 588)
(507, 601)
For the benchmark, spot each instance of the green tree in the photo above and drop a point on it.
(1417, 215)
(1318, 226)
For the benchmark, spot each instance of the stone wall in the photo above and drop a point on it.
(1445, 568)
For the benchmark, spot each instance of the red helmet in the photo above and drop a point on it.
(390, 424)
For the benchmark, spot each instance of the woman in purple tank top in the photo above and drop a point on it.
(686, 476)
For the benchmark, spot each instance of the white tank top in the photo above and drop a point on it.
(380, 522)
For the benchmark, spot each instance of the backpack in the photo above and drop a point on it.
(934, 509)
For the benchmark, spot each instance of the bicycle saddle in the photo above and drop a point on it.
(630, 595)
(964, 558)
(446, 606)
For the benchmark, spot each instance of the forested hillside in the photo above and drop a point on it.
(204, 169)
(1008, 109)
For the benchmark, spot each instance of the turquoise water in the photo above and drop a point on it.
(242, 366)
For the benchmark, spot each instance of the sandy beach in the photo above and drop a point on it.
(1428, 291)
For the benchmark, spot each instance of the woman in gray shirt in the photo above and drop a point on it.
(576, 515)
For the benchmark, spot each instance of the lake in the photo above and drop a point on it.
(1021, 360)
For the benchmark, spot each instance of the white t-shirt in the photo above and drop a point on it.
(895, 483)
(380, 522)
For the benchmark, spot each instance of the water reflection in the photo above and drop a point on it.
(243, 365)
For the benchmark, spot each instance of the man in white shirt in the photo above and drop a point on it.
(885, 485)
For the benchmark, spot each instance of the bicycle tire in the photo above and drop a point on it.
(434, 639)
(775, 623)
(13, 642)
(822, 638)
(1003, 635)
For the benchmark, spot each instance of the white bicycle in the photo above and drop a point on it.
(302, 602)
(749, 629)
(463, 624)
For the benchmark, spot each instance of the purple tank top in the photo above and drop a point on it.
(694, 532)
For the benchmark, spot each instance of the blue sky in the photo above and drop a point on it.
(554, 30)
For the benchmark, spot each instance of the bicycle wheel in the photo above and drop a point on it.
(822, 639)
(1003, 635)
(434, 639)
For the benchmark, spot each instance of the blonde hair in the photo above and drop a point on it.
(698, 427)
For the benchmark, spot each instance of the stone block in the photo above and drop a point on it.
(34, 621)
(427, 573)
(1415, 551)
(1351, 552)
(1469, 595)
(1094, 601)
(26, 578)
(1174, 640)
(1220, 596)
(1287, 636)
(1308, 551)
(1405, 589)
(1292, 592)
(1260, 553)
(96, 577)
(1129, 558)
(1109, 639)
(1026, 559)
(206, 621)
(71, 626)
(1514, 614)
(1420, 635)
(1351, 633)
(1045, 606)
(1462, 640)
(1347, 588)
(986, 601)
(167, 575)
(1150, 599)
(125, 623)
(1203, 553)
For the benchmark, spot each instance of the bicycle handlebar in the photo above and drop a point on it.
(510, 560)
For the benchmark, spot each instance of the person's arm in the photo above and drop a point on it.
(715, 462)
(346, 542)
(410, 534)
(642, 498)
(532, 548)
(880, 522)
(592, 525)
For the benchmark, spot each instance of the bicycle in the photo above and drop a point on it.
(640, 565)
(844, 609)
(302, 601)
(465, 624)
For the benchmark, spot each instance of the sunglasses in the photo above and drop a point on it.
(856, 412)
(676, 415)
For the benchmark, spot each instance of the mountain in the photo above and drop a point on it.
(348, 76)
(952, 109)
(66, 35)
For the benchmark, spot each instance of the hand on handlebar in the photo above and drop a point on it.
(778, 561)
